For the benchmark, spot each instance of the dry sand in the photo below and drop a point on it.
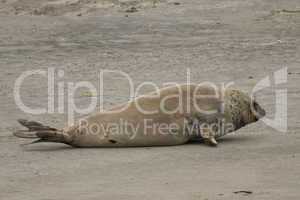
(220, 41)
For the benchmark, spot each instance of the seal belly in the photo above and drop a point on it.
(140, 136)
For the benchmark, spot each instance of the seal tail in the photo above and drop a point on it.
(43, 133)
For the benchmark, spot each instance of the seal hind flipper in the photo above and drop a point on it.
(43, 133)
(33, 125)
(25, 134)
(34, 142)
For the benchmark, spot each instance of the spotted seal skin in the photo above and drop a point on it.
(171, 116)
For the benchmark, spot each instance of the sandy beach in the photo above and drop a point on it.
(238, 41)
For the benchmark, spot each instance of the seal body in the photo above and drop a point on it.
(158, 118)
(170, 116)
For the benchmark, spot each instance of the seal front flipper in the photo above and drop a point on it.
(41, 132)
(211, 141)
(208, 137)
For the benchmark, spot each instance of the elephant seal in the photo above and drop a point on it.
(170, 116)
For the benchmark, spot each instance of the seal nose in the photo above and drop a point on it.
(259, 111)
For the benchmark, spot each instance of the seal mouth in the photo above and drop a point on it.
(260, 115)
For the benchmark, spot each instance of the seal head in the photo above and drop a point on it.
(243, 109)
